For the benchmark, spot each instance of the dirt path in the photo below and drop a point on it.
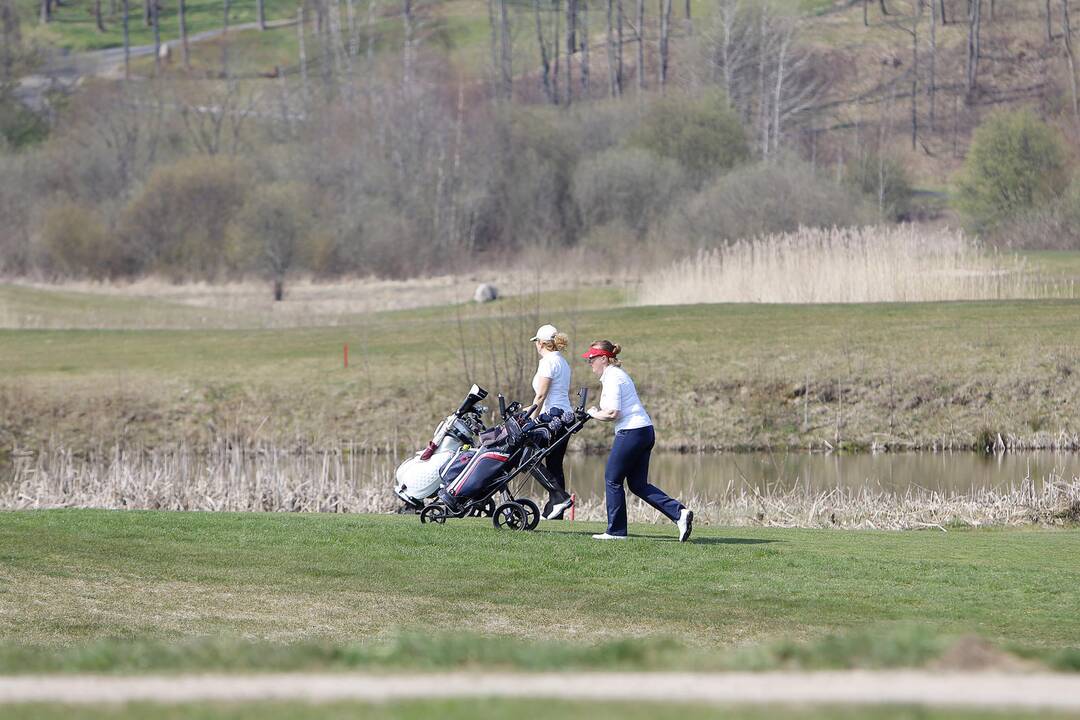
(974, 690)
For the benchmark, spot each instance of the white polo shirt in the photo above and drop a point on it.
(619, 393)
(554, 367)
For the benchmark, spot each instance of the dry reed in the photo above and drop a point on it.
(848, 265)
(266, 480)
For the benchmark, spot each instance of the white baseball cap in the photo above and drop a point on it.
(546, 333)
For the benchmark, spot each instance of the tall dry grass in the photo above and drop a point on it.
(232, 478)
(848, 265)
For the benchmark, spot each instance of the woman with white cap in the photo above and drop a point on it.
(634, 439)
(552, 387)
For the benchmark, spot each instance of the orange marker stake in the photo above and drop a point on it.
(346, 356)
(573, 496)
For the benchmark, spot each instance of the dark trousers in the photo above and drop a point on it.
(554, 463)
(629, 461)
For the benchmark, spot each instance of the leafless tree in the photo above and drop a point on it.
(571, 47)
(1066, 31)
(665, 32)
(545, 62)
(931, 87)
(586, 76)
(974, 31)
(46, 11)
(185, 48)
(98, 21)
(155, 22)
(1049, 22)
(613, 79)
(689, 19)
(127, 43)
(260, 13)
(408, 20)
(224, 39)
(641, 44)
(215, 121)
(148, 12)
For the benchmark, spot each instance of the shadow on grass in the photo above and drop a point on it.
(692, 541)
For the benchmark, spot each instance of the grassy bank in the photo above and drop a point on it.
(713, 376)
(120, 592)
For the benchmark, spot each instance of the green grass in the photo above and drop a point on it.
(474, 709)
(124, 591)
(712, 376)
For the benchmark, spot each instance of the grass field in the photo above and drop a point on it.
(713, 376)
(134, 592)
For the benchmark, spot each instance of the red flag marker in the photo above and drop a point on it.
(346, 356)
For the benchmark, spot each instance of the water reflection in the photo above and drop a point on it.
(942, 472)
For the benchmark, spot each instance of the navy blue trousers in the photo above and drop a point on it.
(629, 461)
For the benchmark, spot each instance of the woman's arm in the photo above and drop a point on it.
(544, 385)
(603, 415)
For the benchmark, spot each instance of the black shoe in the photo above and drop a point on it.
(557, 509)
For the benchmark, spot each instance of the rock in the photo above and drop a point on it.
(164, 53)
(485, 293)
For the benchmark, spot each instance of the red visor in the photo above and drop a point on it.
(597, 352)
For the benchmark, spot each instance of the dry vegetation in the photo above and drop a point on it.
(230, 478)
(851, 265)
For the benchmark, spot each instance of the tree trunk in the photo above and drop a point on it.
(147, 13)
(931, 89)
(185, 48)
(781, 58)
(1066, 27)
(641, 44)
(97, 16)
(127, 43)
(612, 82)
(571, 48)
(915, 75)
(689, 20)
(884, 10)
(866, 13)
(224, 40)
(260, 13)
(619, 45)
(974, 23)
(407, 44)
(557, 46)
(303, 55)
(156, 24)
(46, 10)
(665, 31)
(586, 66)
(506, 51)
(1049, 23)
(545, 64)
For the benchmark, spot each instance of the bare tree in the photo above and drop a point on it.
(127, 43)
(506, 51)
(931, 88)
(46, 11)
(665, 31)
(613, 82)
(619, 45)
(98, 21)
(224, 39)
(215, 121)
(156, 23)
(184, 45)
(407, 44)
(945, 20)
(689, 20)
(586, 68)
(260, 13)
(641, 44)
(303, 54)
(545, 62)
(571, 47)
(148, 13)
(1066, 28)
(974, 28)
(1049, 23)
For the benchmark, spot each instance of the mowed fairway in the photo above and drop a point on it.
(135, 591)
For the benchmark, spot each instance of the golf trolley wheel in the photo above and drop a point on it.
(511, 516)
(532, 513)
(433, 514)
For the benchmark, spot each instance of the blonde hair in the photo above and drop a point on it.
(613, 348)
(559, 342)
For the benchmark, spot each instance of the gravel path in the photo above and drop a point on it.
(973, 690)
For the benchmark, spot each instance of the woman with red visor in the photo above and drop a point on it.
(634, 440)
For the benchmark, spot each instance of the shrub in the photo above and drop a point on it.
(75, 242)
(1054, 226)
(703, 134)
(1015, 164)
(631, 185)
(176, 224)
(885, 182)
(766, 198)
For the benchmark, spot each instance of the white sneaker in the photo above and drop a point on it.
(559, 508)
(686, 524)
(605, 536)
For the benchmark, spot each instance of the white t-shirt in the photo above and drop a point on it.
(620, 394)
(554, 366)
